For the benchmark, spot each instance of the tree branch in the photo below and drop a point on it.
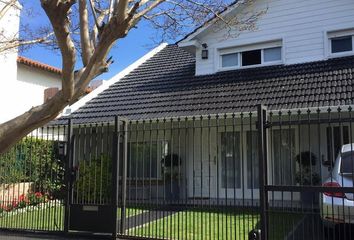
(173, 16)
(84, 33)
(57, 12)
(7, 7)
(15, 43)
(121, 10)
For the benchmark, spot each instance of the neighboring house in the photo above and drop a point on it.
(24, 83)
(34, 83)
(299, 56)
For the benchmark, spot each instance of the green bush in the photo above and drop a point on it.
(37, 161)
(94, 180)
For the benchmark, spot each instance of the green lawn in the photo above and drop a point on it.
(209, 225)
(48, 219)
(196, 225)
(131, 212)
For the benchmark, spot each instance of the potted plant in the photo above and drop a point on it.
(170, 170)
(307, 175)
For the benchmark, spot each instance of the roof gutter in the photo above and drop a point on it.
(325, 109)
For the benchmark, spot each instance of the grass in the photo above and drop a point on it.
(199, 225)
(196, 225)
(48, 219)
(129, 212)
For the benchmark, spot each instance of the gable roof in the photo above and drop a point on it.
(166, 86)
(233, 5)
(38, 65)
(106, 84)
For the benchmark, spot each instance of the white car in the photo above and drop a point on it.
(338, 207)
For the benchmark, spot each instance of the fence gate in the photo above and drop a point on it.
(208, 177)
(96, 162)
(306, 173)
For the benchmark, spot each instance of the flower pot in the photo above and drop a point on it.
(172, 190)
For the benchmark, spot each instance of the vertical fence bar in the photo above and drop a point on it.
(124, 177)
(68, 167)
(115, 174)
(263, 196)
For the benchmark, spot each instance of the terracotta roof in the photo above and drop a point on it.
(166, 86)
(38, 65)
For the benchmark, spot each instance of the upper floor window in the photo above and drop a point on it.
(341, 42)
(250, 56)
(229, 60)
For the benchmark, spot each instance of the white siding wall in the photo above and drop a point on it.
(9, 26)
(301, 24)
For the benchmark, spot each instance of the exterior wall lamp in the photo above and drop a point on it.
(205, 51)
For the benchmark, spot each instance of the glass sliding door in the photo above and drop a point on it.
(230, 161)
(239, 164)
(252, 161)
(283, 153)
(144, 159)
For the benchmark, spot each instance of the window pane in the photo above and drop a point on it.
(342, 44)
(347, 163)
(283, 155)
(251, 58)
(230, 160)
(272, 54)
(252, 160)
(229, 60)
(335, 140)
(144, 159)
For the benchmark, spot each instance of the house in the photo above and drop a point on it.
(25, 83)
(196, 102)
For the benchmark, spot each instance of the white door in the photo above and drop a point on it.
(230, 166)
(239, 176)
(203, 165)
(251, 169)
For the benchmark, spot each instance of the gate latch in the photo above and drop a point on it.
(254, 234)
(74, 173)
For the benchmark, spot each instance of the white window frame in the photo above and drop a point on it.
(337, 34)
(240, 49)
(231, 67)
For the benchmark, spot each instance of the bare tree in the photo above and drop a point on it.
(9, 42)
(92, 28)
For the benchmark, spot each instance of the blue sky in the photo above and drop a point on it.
(135, 45)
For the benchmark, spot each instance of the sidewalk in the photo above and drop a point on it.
(33, 236)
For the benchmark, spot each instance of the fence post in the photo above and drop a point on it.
(124, 176)
(263, 170)
(68, 168)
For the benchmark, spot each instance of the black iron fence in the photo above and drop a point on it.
(276, 174)
(32, 186)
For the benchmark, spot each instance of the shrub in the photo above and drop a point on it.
(307, 175)
(306, 159)
(37, 161)
(24, 200)
(94, 180)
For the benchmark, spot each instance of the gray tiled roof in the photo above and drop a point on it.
(166, 86)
